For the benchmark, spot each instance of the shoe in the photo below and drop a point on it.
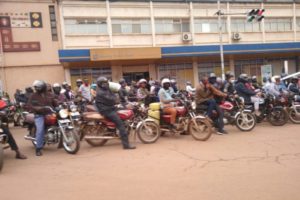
(129, 147)
(38, 152)
(20, 156)
(224, 132)
(219, 132)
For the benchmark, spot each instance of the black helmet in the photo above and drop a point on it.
(101, 80)
(254, 79)
(294, 79)
(122, 80)
(243, 78)
(40, 86)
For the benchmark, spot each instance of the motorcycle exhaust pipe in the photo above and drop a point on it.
(27, 137)
(100, 137)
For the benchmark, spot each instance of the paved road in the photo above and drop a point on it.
(263, 164)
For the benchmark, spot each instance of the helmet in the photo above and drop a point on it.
(229, 75)
(294, 79)
(29, 89)
(243, 78)
(254, 79)
(94, 86)
(164, 81)
(219, 80)
(56, 88)
(122, 80)
(188, 83)
(101, 80)
(212, 75)
(173, 81)
(142, 81)
(39, 86)
(79, 81)
(56, 85)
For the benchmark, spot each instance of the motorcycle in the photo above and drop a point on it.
(272, 109)
(3, 139)
(97, 130)
(58, 130)
(235, 113)
(293, 108)
(19, 117)
(186, 120)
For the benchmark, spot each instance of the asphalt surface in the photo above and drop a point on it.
(262, 164)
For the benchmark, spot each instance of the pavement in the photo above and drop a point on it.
(260, 165)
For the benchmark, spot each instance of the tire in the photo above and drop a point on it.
(245, 121)
(1, 157)
(293, 117)
(149, 132)
(73, 140)
(278, 117)
(198, 133)
(94, 131)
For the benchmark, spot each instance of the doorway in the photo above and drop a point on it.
(135, 76)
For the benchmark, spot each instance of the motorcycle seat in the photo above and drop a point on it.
(92, 116)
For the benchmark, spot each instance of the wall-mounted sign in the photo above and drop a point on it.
(125, 53)
(33, 19)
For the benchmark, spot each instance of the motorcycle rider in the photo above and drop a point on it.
(174, 85)
(105, 102)
(189, 88)
(5, 128)
(229, 85)
(205, 94)
(85, 91)
(249, 95)
(123, 93)
(167, 101)
(37, 103)
(254, 83)
(276, 88)
(293, 86)
(143, 93)
(60, 97)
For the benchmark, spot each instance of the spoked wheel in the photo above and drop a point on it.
(294, 117)
(148, 132)
(71, 142)
(278, 117)
(245, 121)
(1, 157)
(201, 129)
(95, 131)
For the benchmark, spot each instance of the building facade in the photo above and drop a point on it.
(30, 40)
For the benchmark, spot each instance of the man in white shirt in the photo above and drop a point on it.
(85, 90)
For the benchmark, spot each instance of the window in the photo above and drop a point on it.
(298, 23)
(278, 24)
(90, 73)
(172, 25)
(181, 72)
(250, 67)
(125, 26)
(85, 26)
(209, 26)
(241, 25)
(53, 23)
(205, 68)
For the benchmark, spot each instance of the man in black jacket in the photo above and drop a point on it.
(123, 93)
(105, 102)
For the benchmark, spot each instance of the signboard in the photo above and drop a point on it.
(23, 19)
(125, 53)
(266, 72)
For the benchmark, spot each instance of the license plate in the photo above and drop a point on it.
(63, 121)
(75, 114)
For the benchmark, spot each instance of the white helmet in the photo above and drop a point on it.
(173, 81)
(142, 81)
(56, 85)
(274, 78)
(165, 80)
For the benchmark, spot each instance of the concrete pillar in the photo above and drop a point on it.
(152, 24)
(263, 26)
(116, 73)
(109, 26)
(294, 22)
(153, 72)
(195, 71)
(228, 23)
(67, 75)
(231, 65)
(192, 24)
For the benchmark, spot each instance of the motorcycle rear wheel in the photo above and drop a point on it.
(1, 157)
(148, 133)
(94, 131)
(73, 140)
(293, 117)
(278, 117)
(245, 121)
(202, 130)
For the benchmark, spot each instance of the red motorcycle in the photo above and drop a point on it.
(97, 130)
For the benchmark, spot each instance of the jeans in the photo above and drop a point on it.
(114, 117)
(39, 121)
(11, 141)
(212, 105)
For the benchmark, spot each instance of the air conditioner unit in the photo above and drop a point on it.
(186, 36)
(236, 36)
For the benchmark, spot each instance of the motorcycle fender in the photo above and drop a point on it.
(248, 111)
(200, 117)
(146, 120)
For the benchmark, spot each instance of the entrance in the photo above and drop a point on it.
(135, 76)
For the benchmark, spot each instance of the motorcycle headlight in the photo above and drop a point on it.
(63, 113)
(73, 108)
(194, 105)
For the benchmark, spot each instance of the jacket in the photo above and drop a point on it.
(206, 93)
(37, 103)
(244, 92)
(105, 100)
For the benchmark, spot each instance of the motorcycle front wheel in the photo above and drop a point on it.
(293, 115)
(1, 157)
(245, 121)
(148, 132)
(278, 117)
(71, 142)
(200, 130)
